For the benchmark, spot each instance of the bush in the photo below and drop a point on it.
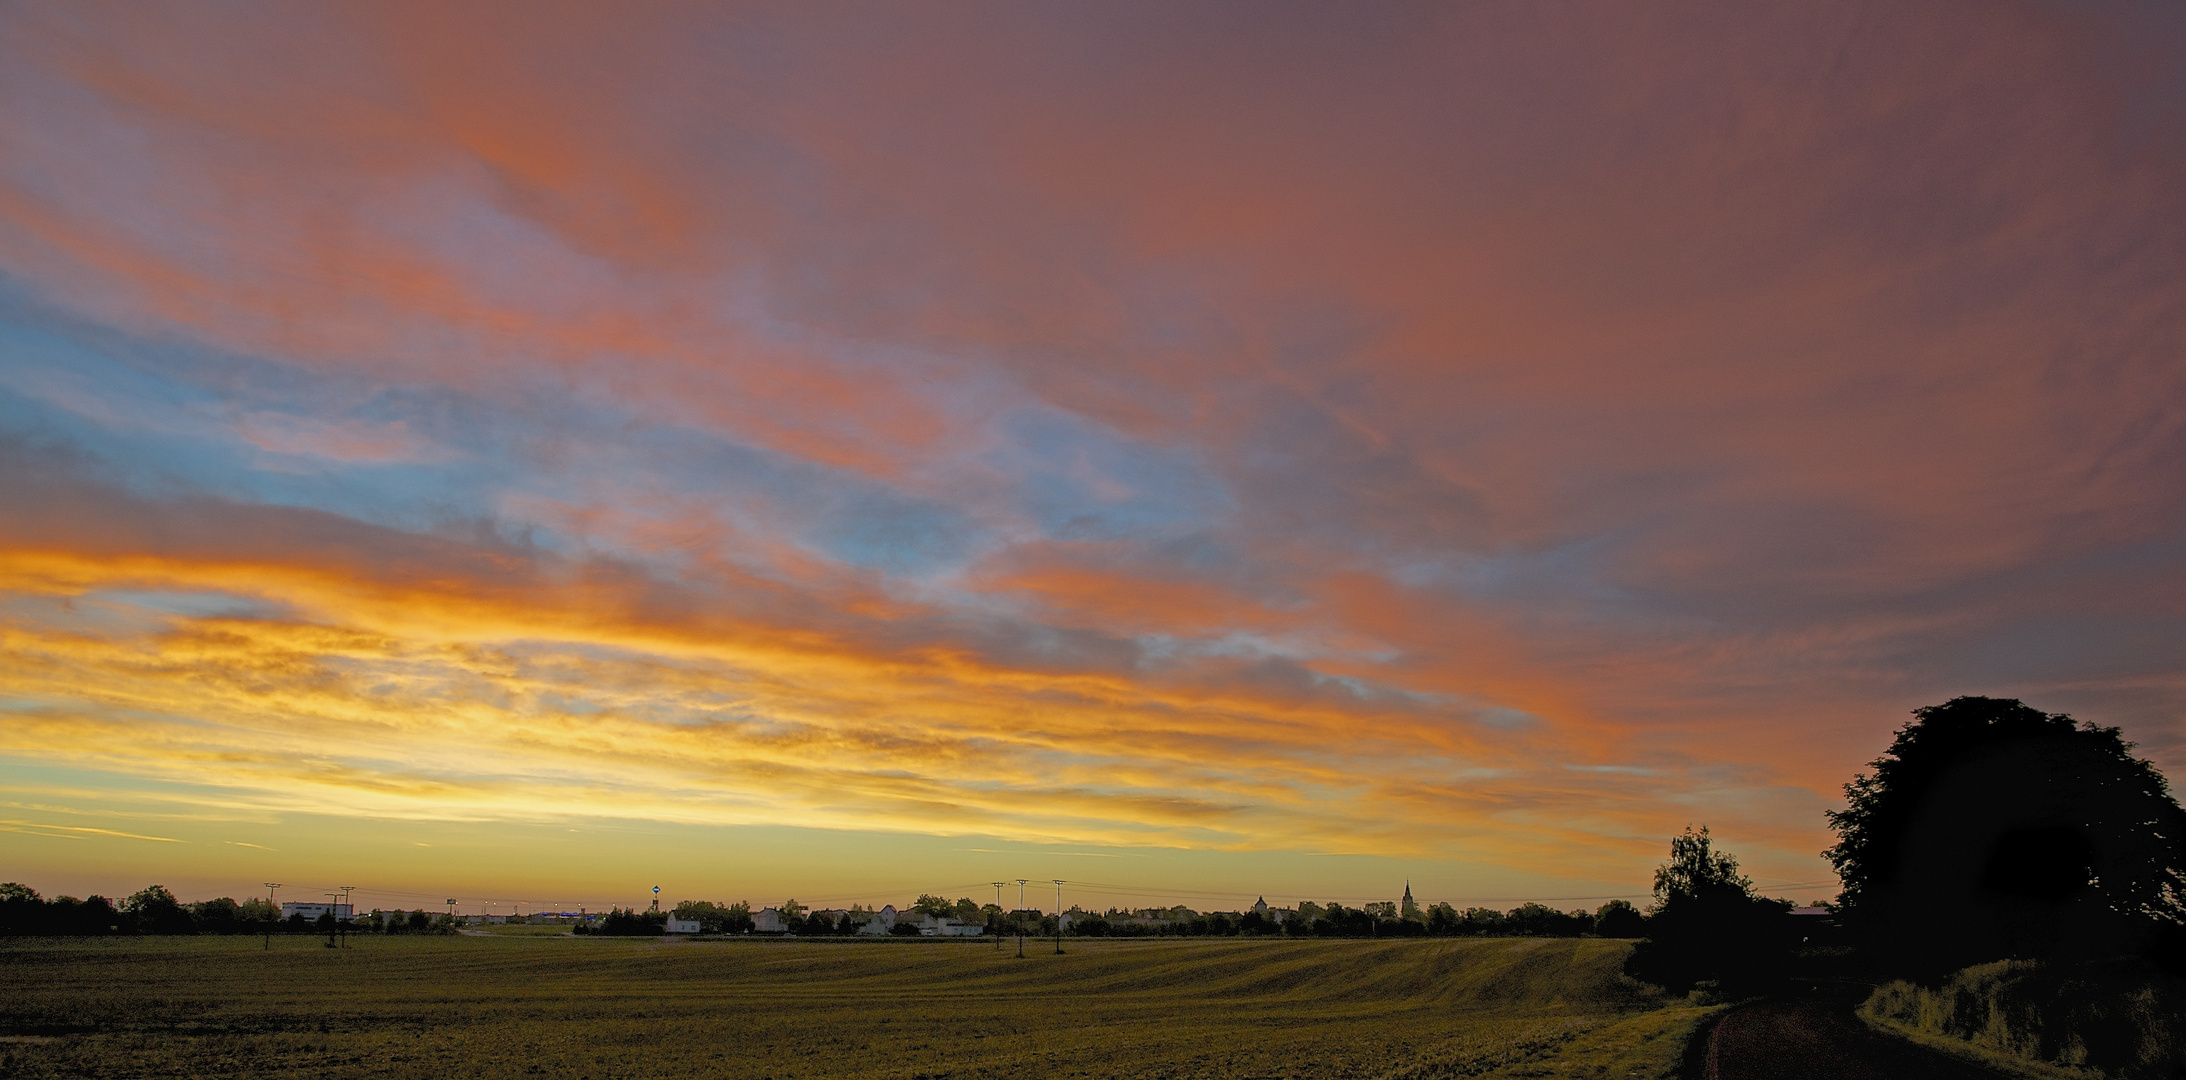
(2122, 1019)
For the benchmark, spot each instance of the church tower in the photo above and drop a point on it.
(1407, 907)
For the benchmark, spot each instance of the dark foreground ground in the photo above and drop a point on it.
(1817, 1037)
(903, 1010)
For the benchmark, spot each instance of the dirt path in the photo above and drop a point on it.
(1821, 1040)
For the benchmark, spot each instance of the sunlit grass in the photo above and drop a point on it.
(578, 1007)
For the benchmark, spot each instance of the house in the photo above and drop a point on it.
(931, 926)
(882, 922)
(769, 921)
(684, 926)
(311, 912)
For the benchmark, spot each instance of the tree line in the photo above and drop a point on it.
(1617, 918)
(155, 910)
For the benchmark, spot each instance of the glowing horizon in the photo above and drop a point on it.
(826, 449)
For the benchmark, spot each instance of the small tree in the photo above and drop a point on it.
(1706, 926)
(1697, 869)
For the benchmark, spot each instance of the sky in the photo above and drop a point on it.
(1194, 450)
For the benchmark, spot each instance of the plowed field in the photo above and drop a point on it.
(622, 1008)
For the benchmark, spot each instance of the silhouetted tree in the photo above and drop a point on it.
(92, 915)
(1990, 829)
(22, 911)
(218, 916)
(1707, 926)
(1619, 919)
(154, 910)
(631, 922)
(1482, 922)
(1443, 920)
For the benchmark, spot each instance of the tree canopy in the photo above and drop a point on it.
(1696, 869)
(1990, 829)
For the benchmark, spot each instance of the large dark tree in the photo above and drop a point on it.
(1991, 830)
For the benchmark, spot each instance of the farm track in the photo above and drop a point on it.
(600, 1008)
(1820, 1039)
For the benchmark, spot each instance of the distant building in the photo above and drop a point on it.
(933, 926)
(684, 926)
(882, 922)
(311, 912)
(769, 921)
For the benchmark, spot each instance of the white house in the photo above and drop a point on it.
(882, 922)
(311, 912)
(768, 921)
(683, 926)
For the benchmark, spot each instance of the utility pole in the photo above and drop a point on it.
(332, 898)
(998, 906)
(272, 887)
(352, 917)
(1058, 915)
(1020, 918)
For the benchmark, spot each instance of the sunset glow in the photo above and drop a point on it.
(795, 449)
